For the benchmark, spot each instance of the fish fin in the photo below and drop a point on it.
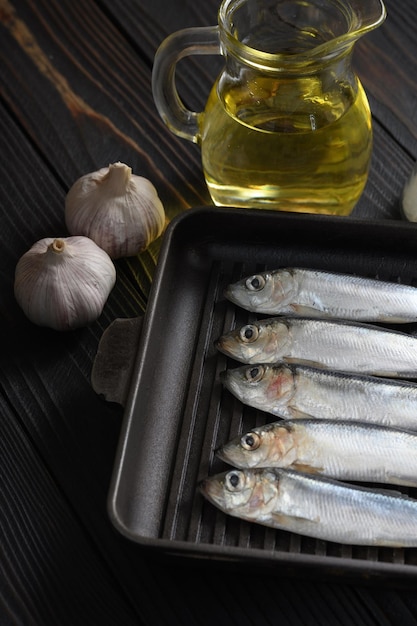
(286, 520)
(400, 480)
(308, 469)
(308, 362)
(303, 310)
(390, 542)
(297, 414)
(390, 492)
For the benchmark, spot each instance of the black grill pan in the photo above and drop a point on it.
(178, 414)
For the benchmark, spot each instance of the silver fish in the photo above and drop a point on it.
(292, 391)
(342, 450)
(318, 507)
(315, 293)
(331, 344)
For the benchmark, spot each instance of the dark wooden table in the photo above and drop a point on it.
(75, 96)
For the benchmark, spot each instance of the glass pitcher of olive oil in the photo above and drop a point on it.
(287, 125)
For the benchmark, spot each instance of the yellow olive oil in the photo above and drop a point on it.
(287, 145)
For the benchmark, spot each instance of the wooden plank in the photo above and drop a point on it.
(71, 432)
(52, 410)
(147, 24)
(386, 60)
(382, 195)
(67, 57)
(75, 94)
(51, 572)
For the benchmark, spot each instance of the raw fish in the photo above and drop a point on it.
(331, 344)
(291, 391)
(315, 506)
(315, 293)
(342, 450)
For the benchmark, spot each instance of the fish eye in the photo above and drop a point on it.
(234, 480)
(249, 333)
(255, 283)
(250, 441)
(253, 374)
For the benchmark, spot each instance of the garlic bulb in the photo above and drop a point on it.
(64, 283)
(120, 211)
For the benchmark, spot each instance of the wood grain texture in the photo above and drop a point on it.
(89, 87)
(387, 63)
(44, 546)
(75, 94)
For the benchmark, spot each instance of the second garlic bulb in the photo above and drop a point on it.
(64, 283)
(120, 211)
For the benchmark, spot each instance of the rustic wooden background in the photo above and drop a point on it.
(75, 96)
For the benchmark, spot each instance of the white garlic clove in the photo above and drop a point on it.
(120, 211)
(409, 197)
(64, 283)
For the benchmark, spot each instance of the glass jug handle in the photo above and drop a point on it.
(200, 40)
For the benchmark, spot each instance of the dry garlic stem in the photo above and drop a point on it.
(64, 283)
(120, 211)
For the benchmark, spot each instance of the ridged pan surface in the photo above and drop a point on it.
(178, 412)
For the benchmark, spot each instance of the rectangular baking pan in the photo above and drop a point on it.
(178, 414)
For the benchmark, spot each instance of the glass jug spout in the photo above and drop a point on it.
(367, 15)
(292, 34)
(362, 17)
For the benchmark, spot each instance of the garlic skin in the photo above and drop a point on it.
(120, 211)
(64, 283)
(409, 197)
